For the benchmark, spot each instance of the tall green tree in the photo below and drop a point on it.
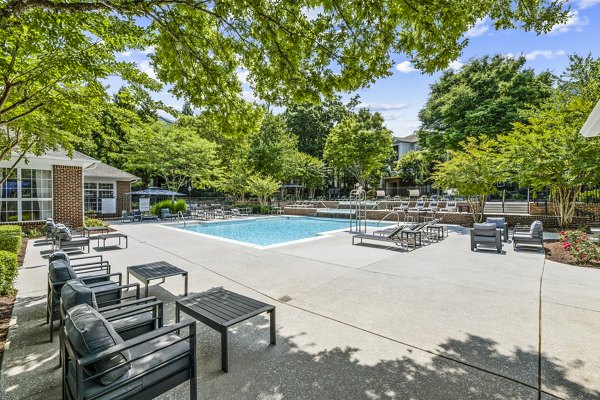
(262, 187)
(548, 150)
(175, 154)
(310, 171)
(311, 123)
(484, 97)
(272, 149)
(473, 171)
(414, 166)
(359, 144)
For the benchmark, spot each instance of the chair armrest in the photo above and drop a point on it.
(129, 304)
(92, 358)
(108, 276)
(131, 310)
(123, 289)
(86, 257)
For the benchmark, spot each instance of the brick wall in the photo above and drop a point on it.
(123, 200)
(464, 219)
(68, 195)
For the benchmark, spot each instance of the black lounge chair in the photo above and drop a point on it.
(532, 235)
(98, 363)
(486, 234)
(126, 217)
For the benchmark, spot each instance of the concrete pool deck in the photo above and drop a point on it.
(354, 322)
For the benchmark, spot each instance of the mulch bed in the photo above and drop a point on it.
(6, 305)
(555, 252)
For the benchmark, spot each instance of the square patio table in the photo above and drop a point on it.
(219, 309)
(94, 229)
(156, 270)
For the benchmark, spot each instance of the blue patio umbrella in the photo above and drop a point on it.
(156, 191)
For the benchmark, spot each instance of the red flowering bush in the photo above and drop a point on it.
(579, 245)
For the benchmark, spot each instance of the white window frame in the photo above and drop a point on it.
(19, 199)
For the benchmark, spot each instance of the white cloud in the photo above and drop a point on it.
(455, 65)
(547, 54)
(312, 13)
(125, 53)
(509, 55)
(242, 75)
(145, 67)
(383, 106)
(405, 67)
(575, 22)
(481, 26)
(148, 50)
(587, 3)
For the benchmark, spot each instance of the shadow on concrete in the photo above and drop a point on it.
(297, 369)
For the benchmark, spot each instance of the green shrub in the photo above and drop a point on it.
(10, 238)
(173, 207)
(34, 233)
(94, 222)
(264, 209)
(8, 271)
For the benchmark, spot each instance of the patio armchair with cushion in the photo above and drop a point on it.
(96, 276)
(165, 213)
(98, 364)
(532, 235)
(500, 224)
(130, 318)
(137, 215)
(486, 234)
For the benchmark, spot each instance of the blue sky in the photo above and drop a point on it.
(400, 97)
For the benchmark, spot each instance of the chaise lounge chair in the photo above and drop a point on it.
(391, 237)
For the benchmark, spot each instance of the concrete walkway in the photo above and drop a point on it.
(355, 322)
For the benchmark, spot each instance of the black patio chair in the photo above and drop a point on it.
(98, 364)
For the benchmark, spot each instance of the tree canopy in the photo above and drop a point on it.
(473, 171)
(485, 97)
(548, 150)
(173, 153)
(360, 144)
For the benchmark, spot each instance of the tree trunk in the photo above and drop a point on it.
(565, 202)
(477, 207)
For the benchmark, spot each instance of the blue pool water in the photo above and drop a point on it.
(269, 231)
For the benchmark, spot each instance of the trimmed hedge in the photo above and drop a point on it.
(8, 271)
(10, 238)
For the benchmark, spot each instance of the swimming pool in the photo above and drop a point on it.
(271, 231)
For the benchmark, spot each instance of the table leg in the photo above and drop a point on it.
(273, 333)
(177, 313)
(128, 277)
(185, 276)
(126, 242)
(224, 358)
(146, 291)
